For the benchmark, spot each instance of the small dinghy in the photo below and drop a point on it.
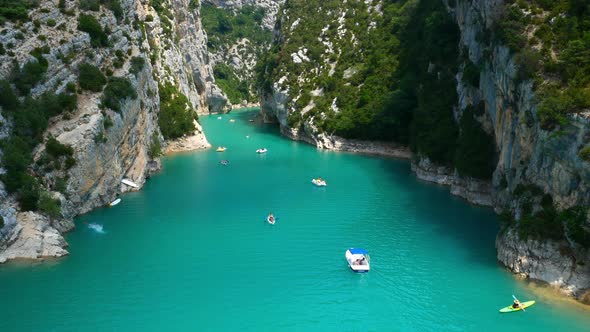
(224, 162)
(130, 183)
(221, 149)
(115, 202)
(271, 219)
(358, 259)
(261, 150)
(319, 182)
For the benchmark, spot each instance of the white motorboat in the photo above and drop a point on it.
(115, 202)
(130, 183)
(319, 182)
(358, 259)
(261, 150)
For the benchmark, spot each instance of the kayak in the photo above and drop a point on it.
(522, 305)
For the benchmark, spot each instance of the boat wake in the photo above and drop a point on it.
(96, 227)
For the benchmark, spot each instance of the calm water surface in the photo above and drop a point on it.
(192, 252)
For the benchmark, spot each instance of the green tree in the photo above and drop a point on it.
(90, 77)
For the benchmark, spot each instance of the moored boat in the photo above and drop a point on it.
(319, 182)
(115, 202)
(358, 259)
(130, 183)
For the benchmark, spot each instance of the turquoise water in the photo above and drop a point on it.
(192, 252)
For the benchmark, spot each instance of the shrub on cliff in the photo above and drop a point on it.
(90, 77)
(176, 113)
(8, 99)
(1, 222)
(117, 90)
(89, 24)
(30, 74)
(14, 10)
(471, 74)
(575, 221)
(49, 205)
(137, 64)
(155, 148)
(585, 154)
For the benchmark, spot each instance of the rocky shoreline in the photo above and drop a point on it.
(197, 141)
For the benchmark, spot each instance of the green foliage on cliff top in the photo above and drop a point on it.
(390, 76)
(176, 113)
(225, 27)
(556, 54)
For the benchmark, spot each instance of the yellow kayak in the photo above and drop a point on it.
(522, 305)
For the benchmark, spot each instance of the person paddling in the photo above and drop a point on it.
(271, 218)
(516, 304)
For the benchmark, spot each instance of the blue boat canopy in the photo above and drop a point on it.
(358, 251)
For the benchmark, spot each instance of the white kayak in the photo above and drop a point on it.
(319, 183)
(130, 183)
(115, 202)
(261, 150)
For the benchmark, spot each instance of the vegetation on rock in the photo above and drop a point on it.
(89, 24)
(90, 77)
(117, 90)
(176, 115)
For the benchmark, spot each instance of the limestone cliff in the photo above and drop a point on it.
(528, 155)
(108, 145)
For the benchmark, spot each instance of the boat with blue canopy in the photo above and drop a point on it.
(358, 259)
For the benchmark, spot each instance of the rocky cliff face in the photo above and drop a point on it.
(174, 51)
(528, 155)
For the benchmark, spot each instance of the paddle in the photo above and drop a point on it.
(521, 305)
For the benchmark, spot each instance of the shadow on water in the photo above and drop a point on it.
(472, 227)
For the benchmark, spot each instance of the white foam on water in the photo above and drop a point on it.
(96, 227)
